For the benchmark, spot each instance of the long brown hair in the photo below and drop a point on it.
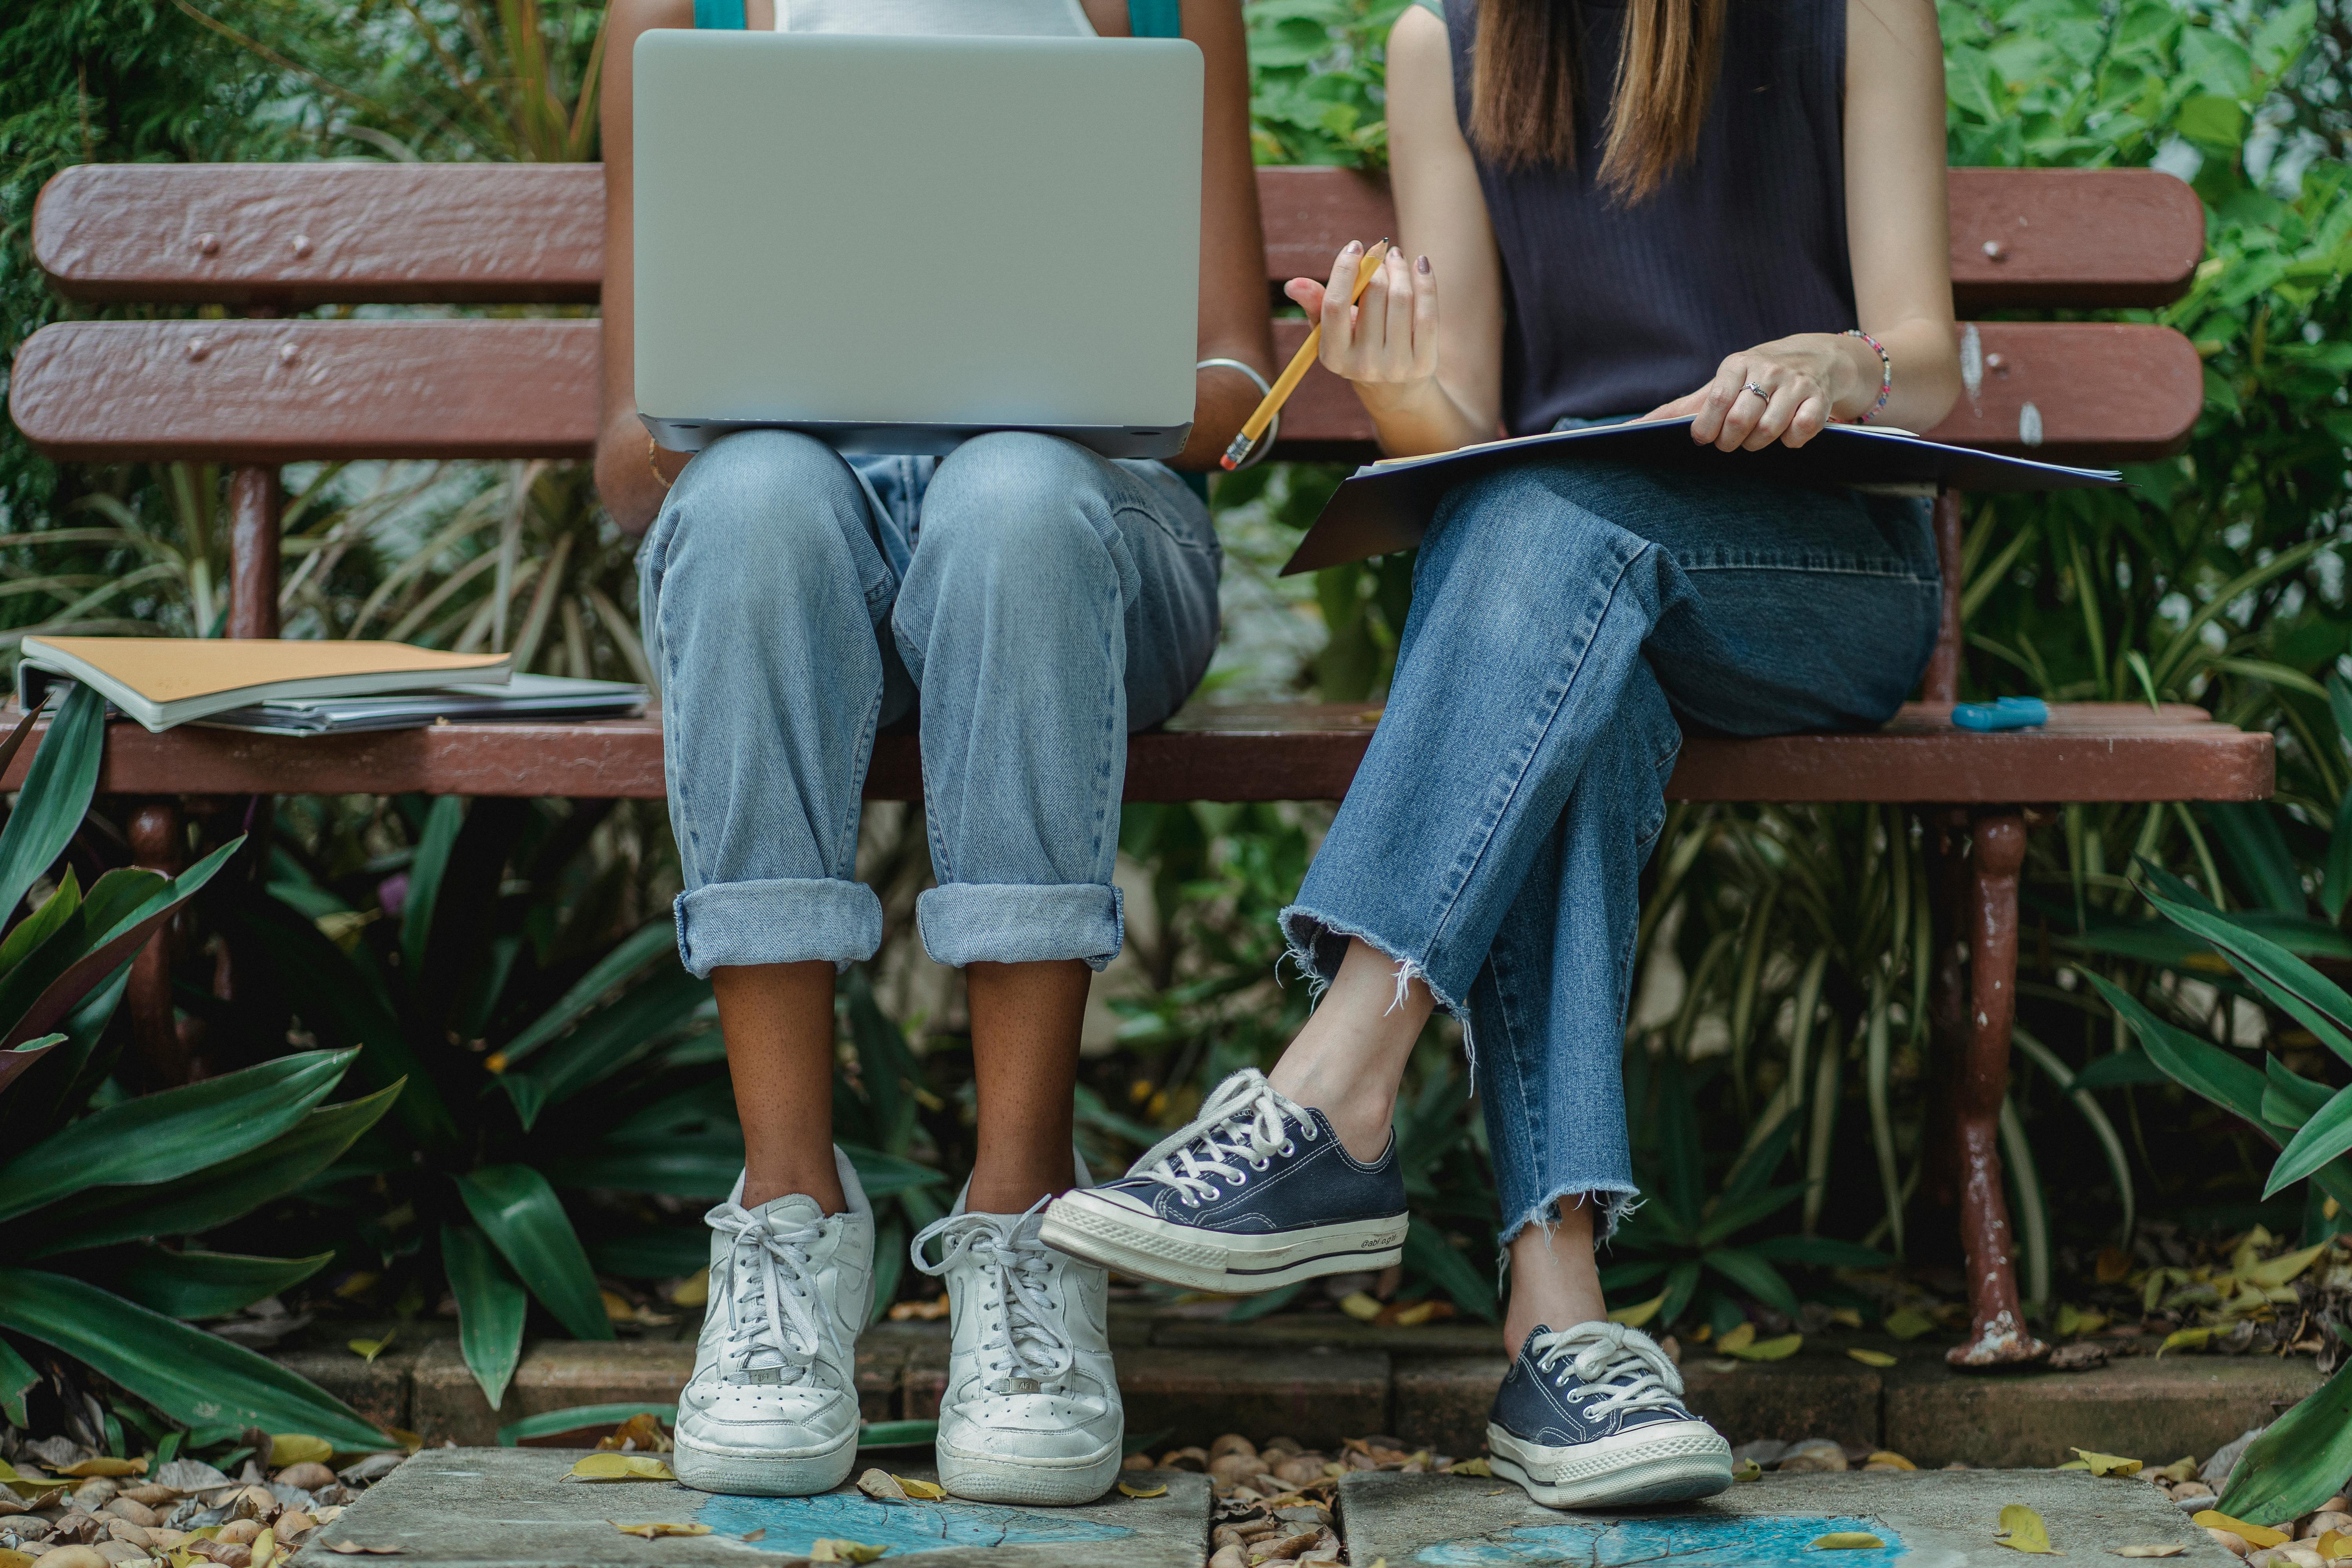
(1524, 73)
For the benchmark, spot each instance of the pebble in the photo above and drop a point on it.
(72, 1557)
(1231, 1442)
(309, 1475)
(1193, 1460)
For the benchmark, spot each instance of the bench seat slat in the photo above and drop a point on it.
(1281, 752)
(278, 392)
(310, 234)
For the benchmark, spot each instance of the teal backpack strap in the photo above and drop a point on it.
(1156, 18)
(726, 13)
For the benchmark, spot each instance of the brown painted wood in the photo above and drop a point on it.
(158, 841)
(315, 234)
(279, 392)
(1941, 683)
(2090, 752)
(255, 503)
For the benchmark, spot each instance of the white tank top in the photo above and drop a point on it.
(965, 19)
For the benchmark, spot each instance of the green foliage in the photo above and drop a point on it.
(1317, 70)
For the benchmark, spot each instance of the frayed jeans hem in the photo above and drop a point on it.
(777, 919)
(1317, 944)
(1616, 1202)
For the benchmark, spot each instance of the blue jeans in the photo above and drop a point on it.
(1563, 619)
(1039, 600)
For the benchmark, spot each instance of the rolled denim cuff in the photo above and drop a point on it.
(1012, 923)
(779, 920)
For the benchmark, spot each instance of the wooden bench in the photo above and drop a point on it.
(259, 391)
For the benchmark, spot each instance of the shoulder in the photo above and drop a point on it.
(1418, 36)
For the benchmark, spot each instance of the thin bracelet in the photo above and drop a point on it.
(1273, 432)
(652, 445)
(1886, 375)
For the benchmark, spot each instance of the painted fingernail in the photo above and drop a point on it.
(1421, 265)
(1352, 247)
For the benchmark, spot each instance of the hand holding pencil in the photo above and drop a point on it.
(1330, 308)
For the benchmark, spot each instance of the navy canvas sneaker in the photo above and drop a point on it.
(1592, 1416)
(1256, 1193)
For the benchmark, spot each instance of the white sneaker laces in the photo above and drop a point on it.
(1246, 1120)
(1621, 1368)
(1024, 1345)
(774, 1332)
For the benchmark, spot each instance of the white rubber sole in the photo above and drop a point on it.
(1054, 1483)
(1152, 1249)
(1666, 1461)
(794, 1472)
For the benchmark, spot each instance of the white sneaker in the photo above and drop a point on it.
(1030, 1412)
(771, 1409)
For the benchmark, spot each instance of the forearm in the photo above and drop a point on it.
(1419, 418)
(1223, 400)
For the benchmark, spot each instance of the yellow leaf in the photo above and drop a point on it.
(1780, 1349)
(832, 1551)
(1845, 1317)
(1888, 1456)
(2281, 1268)
(1471, 1468)
(2021, 1529)
(882, 1487)
(1361, 1307)
(2179, 1471)
(265, 1548)
(650, 1531)
(1142, 1491)
(2257, 1535)
(2106, 1464)
(2185, 1340)
(694, 1290)
(2072, 1464)
(619, 1308)
(22, 1483)
(104, 1467)
(1640, 1312)
(367, 1350)
(621, 1468)
(1846, 1540)
(1748, 1470)
(297, 1447)
(2334, 1545)
(2174, 1549)
(921, 1492)
(15, 1559)
(1870, 1358)
(1908, 1322)
(1737, 1340)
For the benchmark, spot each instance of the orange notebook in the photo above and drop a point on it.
(163, 681)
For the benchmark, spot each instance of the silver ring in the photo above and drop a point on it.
(1758, 390)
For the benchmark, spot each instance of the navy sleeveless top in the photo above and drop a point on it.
(1613, 310)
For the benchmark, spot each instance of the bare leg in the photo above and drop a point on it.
(1349, 1060)
(1555, 1282)
(778, 1022)
(1025, 1019)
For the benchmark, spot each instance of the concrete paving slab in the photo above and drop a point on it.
(512, 1508)
(1928, 1518)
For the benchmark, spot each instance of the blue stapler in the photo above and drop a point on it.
(2008, 713)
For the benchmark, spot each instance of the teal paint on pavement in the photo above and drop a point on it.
(1687, 1541)
(795, 1524)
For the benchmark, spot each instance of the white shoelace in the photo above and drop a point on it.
(1622, 1368)
(1245, 1122)
(1023, 1344)
(773, 1320)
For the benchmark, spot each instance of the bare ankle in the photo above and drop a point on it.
(763, 1186)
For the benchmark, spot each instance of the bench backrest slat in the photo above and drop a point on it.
(312, 233)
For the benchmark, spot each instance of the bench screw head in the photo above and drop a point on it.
(301, 246)
(287, 353)
(199, 347)
(1996, 363)
(207, 244)
(1995, 249)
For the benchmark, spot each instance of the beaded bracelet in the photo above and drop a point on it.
(653, 450)
(1886, 375)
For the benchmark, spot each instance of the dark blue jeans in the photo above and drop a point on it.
(1567, 621)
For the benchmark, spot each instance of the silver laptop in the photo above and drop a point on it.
(897, 243)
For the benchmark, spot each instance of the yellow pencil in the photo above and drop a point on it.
(1255, 425)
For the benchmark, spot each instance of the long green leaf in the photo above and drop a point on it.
(2327, 1135)
(2335, 881)
(1733, 1217)
(1682, 1281)
(1822, 1251)
(44, 922)
(1749, 1270)
(491, 1309)
(526, 1222)
(103, 948)
(2111, 1143)
(2032, 1209)
(56, 796)
(164, 1136)
(16, 1374)
(102, 1216)
(2258, 851)
(684, 1169)
(191, 1376)
(197, 1284)
(882, 1175)
(2316, 1001)
(1428, 1254)
(2288, 1099)
(581, 1417)
(425, 869)
(657, 1253)
(609, 1041)
(2298, 1462)
(634, 952)
(2199, 1065)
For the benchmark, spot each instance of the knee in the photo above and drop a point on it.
(754, 513)
(1017, 498)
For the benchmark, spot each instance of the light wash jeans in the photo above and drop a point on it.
(1493, 841)
(1038, 600)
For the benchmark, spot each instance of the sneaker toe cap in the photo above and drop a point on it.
(1033, 1426)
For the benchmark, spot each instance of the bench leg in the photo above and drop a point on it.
(159, 838)
(1998, 1336)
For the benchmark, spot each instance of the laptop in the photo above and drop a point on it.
(897, 243)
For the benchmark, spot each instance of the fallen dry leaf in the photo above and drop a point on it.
(641, 1433)
(2106, 1464)
(9, 1559)
(1780, 1349)
(103, 1466)
(758, 1534)
(2257, 1535)
(2333, 1544)
(2021, 1529)
(1160, 1490)
(921, 1492)
(367, 1350)
(882, 1487)
(1870, 1358)
(2185, 1340)
(836, 1550)
(650, 1531)
(2280, 1269)
(1737, 1340)
(294, 1447)
(1889, 1456)
(621, 1468)
(1472, 1468)
(1748, 1470)
(1907, 1323)
(1846, 1540)
(353, 1549)
(1359, 1306)
(2175, 1549)
(1640, 1312)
